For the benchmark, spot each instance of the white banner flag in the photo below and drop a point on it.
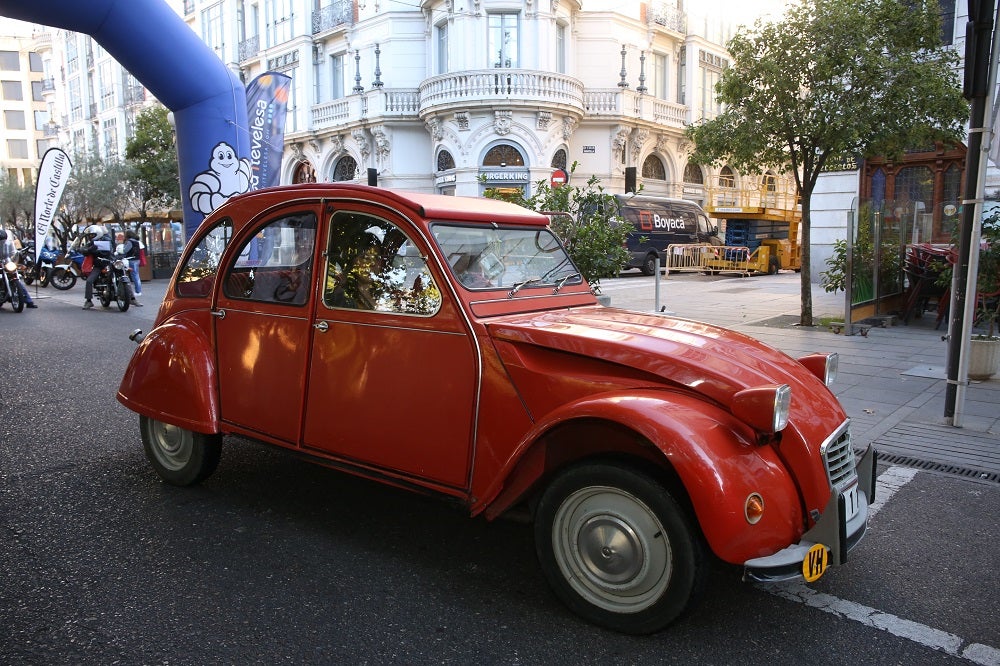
(52, 176)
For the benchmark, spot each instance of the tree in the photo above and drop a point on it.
(152, 159)
(93, 191)
(830, 79)
(17, 206)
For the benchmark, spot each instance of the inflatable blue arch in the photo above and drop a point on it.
(207, 99)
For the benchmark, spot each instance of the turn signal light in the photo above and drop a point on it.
(824, 366)
(753, 508)
(764, 408)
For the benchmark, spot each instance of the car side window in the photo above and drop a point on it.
(275, 264)
(372, 265)
(197, 277)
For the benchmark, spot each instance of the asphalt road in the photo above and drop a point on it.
(273, 560)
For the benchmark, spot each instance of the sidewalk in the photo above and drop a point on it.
(891, 382)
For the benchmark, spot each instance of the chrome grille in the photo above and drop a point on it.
(838, 456)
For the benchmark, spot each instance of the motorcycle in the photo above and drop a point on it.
(40, 270)
(63, 276)
(9, 290)
(114, 283)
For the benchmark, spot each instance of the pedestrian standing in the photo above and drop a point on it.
(133, 251)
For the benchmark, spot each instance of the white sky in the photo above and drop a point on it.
(12, 28)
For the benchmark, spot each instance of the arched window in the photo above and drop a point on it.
(445, 161)
(652, 168)
(346, 169)
(304, 173)
(503, 155)
(693, 174)
(726, 177)
(559, 160)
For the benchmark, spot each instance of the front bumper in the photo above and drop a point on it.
(838, 535)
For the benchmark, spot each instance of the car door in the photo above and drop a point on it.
(262, 325)
(394, 370)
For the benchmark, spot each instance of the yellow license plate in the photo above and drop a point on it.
(815, 562)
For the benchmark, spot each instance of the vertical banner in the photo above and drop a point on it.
(52, 177)
(267, 103)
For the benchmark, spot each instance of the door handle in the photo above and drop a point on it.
(221, 314)
(322, 327)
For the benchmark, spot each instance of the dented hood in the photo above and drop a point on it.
(712, 361)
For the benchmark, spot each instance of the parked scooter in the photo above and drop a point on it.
(63, 276)
(9, 290)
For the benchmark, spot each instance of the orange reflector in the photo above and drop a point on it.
(754, 508)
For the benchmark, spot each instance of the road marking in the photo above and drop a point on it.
(889, 482)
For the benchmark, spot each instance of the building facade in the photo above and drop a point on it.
(457, 96)
(25, 113)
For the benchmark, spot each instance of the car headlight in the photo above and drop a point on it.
(764, 408)
(824, 366)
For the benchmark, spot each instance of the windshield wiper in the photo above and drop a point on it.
(519, 285)
(562, 281)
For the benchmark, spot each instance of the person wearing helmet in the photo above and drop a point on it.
(97, 244)
(8, 251)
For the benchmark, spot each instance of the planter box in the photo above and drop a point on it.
(984, 358)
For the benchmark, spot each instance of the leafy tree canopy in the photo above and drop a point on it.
(833, 78)
(152, 158)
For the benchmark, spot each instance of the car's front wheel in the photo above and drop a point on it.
(617, 548)
(180, 457)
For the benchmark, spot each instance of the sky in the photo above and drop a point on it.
(12, 28)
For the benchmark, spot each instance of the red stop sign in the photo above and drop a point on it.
(559, 178)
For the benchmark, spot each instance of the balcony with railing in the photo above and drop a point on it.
(336, 14)
(507, 87)
(135, 94)
(618, 103)
(499, 88)
(248, 48)
(373, 105)
(666, 15)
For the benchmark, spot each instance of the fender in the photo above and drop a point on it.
(714, 454)
(173, 366)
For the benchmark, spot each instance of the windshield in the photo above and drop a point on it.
(493, 258)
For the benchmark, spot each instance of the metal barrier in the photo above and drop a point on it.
(686, 256)
(730, 259)
(707, 258)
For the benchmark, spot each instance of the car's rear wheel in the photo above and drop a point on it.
(180, 457)
(617, 548)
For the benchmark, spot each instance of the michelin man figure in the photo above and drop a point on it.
(227, 175)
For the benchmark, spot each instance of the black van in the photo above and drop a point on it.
(660, 222)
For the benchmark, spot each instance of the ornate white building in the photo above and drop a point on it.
(455, 96)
